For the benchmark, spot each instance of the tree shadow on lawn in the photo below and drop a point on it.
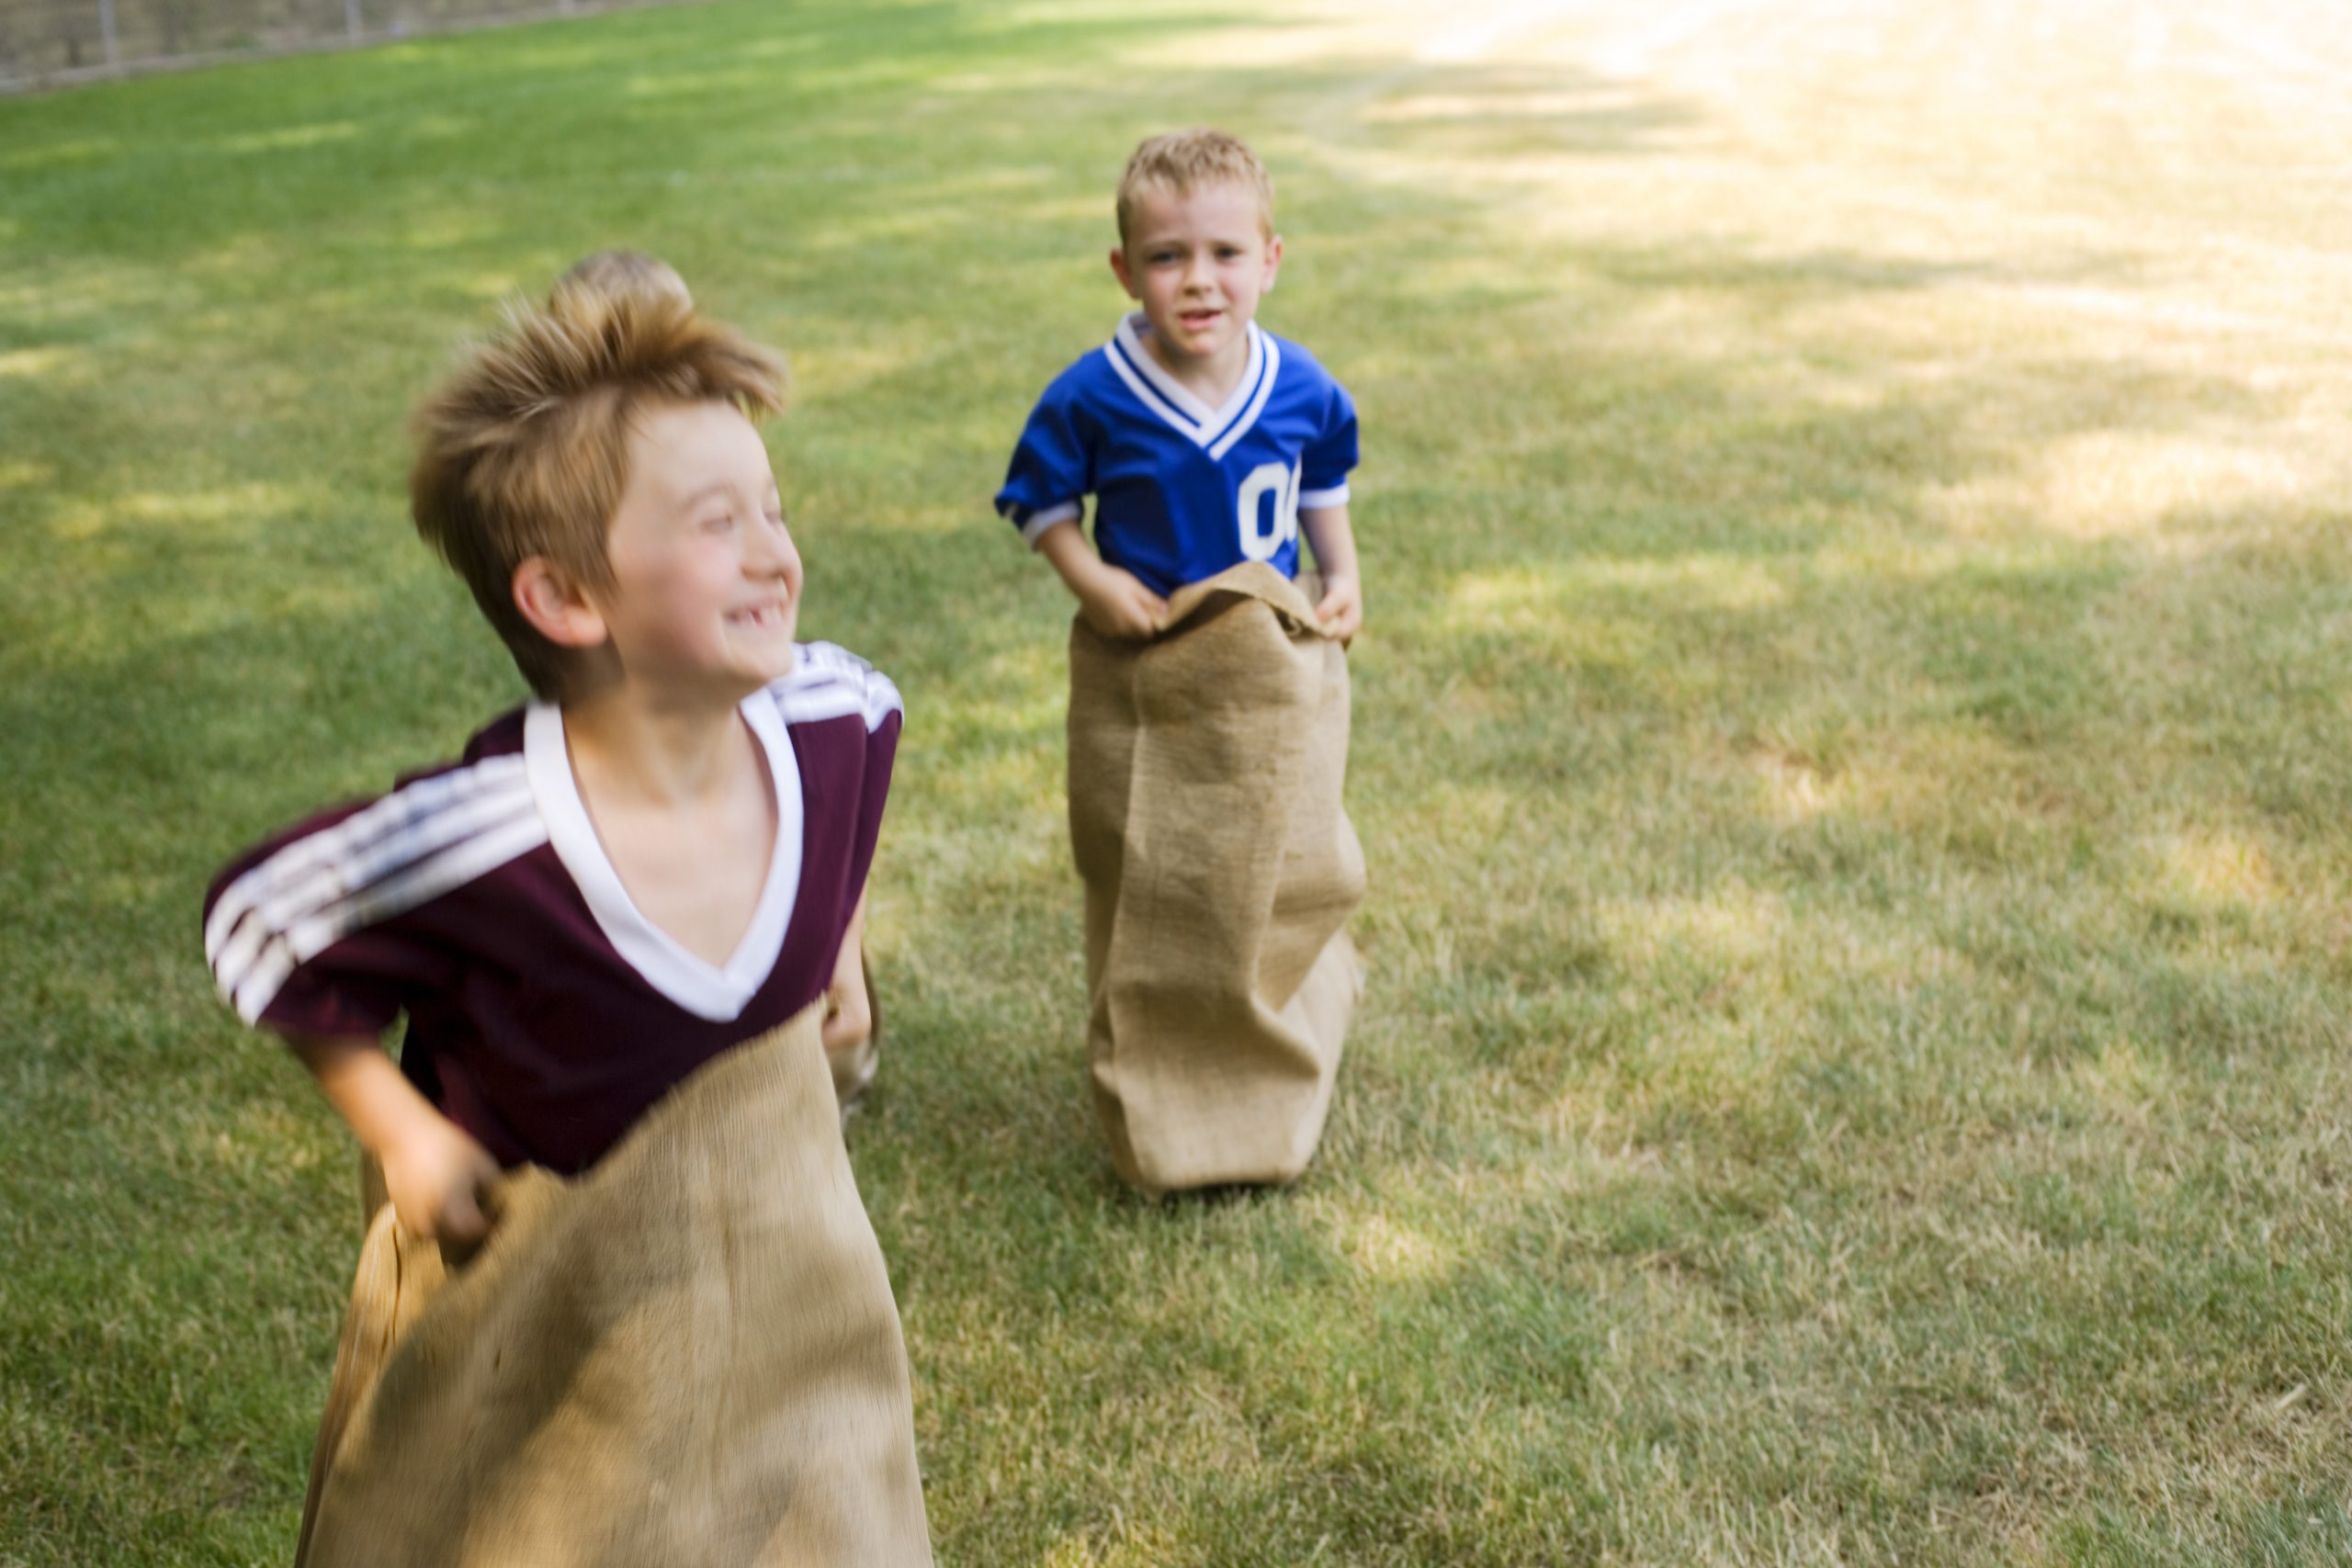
(1660, 548)
(414, 131)
(398, 158)
(1760, 283)
(1683, 715)
(1728, 488)
(438, 162)
(1715, 902)
(1735, 727)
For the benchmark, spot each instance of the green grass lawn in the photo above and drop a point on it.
(1853, 742)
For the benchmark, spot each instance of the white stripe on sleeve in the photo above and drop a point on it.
(828, 682)
(396, 814)
(420, 883)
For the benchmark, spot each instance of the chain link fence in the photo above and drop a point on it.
(59, 43)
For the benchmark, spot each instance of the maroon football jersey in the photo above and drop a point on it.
(545, 1013)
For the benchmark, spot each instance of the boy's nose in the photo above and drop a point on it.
(772, 552)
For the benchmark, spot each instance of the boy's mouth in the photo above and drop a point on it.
(765, 616)
(1196, 320)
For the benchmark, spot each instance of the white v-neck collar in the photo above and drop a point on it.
(717, 992)
(1177, 404)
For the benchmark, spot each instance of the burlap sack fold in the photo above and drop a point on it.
(687, 1355)
(1205, 770)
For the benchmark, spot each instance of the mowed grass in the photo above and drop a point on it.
(1853, 742)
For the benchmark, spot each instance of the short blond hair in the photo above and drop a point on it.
(1185, 160)
(523, 449)
(623, 272)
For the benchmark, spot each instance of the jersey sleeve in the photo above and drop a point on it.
(1052, 469)
(291, 937)
(1332, 456)
(829, 684)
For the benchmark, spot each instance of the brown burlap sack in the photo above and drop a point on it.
(687, 1355)
(1205, 769)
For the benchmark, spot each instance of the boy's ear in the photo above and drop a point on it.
(1119, 271)
(551, 602)
(1273, 262)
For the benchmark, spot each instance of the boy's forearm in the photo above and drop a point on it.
(1109, 599)
(367, 1090)
(845, 962)
(1332, 537)
(1066, 549)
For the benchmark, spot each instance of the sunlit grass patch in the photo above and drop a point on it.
(1851, 742)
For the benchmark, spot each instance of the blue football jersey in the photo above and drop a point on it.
(1182, 490)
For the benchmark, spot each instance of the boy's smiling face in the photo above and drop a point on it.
(1196, 262)
(705, 593)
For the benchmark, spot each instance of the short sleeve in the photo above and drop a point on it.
(1332, 456)
(871, 795)
(828, 688)
(1051, 469)
(881, 754)
(291, 944)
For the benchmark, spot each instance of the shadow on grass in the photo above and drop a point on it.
(1754, 844)
(1521, 613)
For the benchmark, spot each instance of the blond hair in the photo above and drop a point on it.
(523, 449)
(623, 272)
(1183, 161)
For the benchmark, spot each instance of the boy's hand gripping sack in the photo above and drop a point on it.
(688, 1354)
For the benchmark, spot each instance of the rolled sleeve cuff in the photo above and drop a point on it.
(1051, 517)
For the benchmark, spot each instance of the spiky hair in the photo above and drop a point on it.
(623, 272)
(523, 449)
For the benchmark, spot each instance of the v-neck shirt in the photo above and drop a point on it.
(544, 1011)
(1181, 490)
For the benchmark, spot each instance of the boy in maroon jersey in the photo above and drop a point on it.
(656, 865)
(853, 1027)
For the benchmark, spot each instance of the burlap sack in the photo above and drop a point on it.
(687, 1355)
(1205, 769)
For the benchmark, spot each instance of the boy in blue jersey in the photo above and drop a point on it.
(1210, 447)
(1205, 440)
